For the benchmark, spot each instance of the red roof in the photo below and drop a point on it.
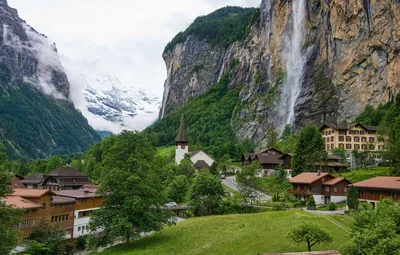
(380, 182)
(31, 193)
(309, 253)
(16, 183)
(335, 181)
(308, 177)
(20, 202)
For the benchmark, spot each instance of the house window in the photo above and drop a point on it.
(345, 189)
(333, 131)
(364, 147)
(182, 146)
(44, 206)
(334, 189)
(298, 187)
(42, 220)
(341, 145)
(348, 138)
(372, 147)
(79, 228)
(331, 138)
(327, 189)
(371, 139)
(356, 139)
(356, 146)
(348, 146)
(363, 139)
(30, 211)
(341, 138)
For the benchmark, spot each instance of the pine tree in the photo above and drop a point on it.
(352, 198)
(311, 203)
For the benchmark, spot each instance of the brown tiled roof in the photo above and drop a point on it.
(16, 183)
(309, 253)
(269, 159)
(380, 182)
(76, 193)
(66, 171)
(266, 150)
(20, 202)
(192, 153)
(56, 200)
(335, 181)
(182, 137)
(30, 193)
(201, 164)
(308, 177)
(35, 178)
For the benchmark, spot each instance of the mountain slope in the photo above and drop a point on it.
(36, 117)
(306, 61)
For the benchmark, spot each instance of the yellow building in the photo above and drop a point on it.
(351, 137)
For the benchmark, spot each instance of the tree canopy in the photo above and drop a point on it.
(309, 233)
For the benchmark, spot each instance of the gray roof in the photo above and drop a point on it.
(66, 171)
(201, 164)
(35, 178)
(182, 137)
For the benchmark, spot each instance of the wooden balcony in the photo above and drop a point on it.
(300, 192)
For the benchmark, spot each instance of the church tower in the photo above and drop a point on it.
(182, 143)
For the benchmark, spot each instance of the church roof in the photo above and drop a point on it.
(182, 137)
(201, 164)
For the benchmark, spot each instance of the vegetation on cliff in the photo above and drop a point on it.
(222, 27)
(33, 125)
(208, 123)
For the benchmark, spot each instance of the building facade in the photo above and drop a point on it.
(324, 187)
(375, 189)
(270, 159)
(181, 143)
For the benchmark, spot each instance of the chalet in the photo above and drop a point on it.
(200, 159)
(63, 178)
(332, 164)
(375, 189)
(270, 160)
(86, 202)
(325, 187)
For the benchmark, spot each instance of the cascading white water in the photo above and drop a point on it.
(295, 61)
(167, 86)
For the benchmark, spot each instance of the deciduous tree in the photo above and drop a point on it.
(309, 233)
(247, 181)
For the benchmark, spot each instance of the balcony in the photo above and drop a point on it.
(300, 192)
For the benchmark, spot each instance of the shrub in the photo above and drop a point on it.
(332, 206)
(300, 204)
(311, 203)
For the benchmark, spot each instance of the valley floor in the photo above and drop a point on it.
(236, 234)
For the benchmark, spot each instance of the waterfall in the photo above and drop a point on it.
(295, 61)
(167, 86)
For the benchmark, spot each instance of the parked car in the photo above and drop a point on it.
(223, 176)
(171, 205)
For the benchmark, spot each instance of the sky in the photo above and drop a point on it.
(122, 37)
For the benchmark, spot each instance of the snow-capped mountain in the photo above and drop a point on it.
(107, 97)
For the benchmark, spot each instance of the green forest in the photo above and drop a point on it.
(33, 125)
(207, 119)
(222, 27)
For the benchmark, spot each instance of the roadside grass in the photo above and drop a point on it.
(165, 150)
(234, 234)
(364, 174)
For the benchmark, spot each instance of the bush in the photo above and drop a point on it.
(311, 203)
(332, 206)
(300, 204)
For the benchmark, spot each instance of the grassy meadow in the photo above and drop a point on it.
(358, 175)
(235, 234)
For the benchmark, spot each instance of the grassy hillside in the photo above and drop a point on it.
(222, 27)
(364, 174)
(33, 125)
(233, 234)
(165, 150)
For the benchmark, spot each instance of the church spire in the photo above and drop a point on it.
(182, 137)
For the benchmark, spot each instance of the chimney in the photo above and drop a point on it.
(319, 173)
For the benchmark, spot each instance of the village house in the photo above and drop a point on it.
(325, 187)
(86, 202)
(270, 160)
(63, 178)
(332, 164)
(199, 158)
(375, 189)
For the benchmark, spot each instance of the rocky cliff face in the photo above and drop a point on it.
(348, 57)
(36, 117)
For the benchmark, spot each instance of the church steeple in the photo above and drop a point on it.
(182, 137)
(181, 142)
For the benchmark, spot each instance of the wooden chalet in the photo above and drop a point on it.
(325, 187)
(375, 189)
(270, 160)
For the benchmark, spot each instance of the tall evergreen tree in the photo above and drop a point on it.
(310, 149)
(352, 198)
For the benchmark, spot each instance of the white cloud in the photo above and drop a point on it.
(123, 37)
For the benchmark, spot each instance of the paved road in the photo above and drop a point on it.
(230, 182)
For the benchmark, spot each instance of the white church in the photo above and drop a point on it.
(200, 159)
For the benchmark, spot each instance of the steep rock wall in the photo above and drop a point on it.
(352, 57)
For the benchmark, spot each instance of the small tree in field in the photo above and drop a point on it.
(352, 198)
(311, 203)
(310, 233)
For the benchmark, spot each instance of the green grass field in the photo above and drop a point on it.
(235, 234)
(165, 150)
(363, 174)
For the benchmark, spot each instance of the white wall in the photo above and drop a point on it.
(319, 199)
(201, 155)
(80, 223)
(180, 153)
(338, 199)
